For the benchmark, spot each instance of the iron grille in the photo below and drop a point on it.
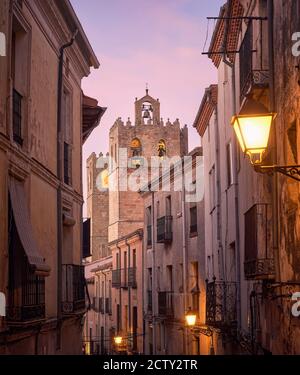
(221, 303)
(116, 278)
(164, 229)
(259, 264)
(165, 303)
(26, 299)
(73, 296)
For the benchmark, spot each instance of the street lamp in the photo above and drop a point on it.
(252, 128)
(190, 318)
(118, 340)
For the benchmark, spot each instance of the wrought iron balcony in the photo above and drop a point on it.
(165, 303)
(73, 288)
(26, 302)
(124, 278)
(250, 76)
(259, 262)
(221, 308)
(132, 277)
(116, 278)
(164, 229)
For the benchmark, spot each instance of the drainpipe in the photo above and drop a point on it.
(184, 261)
(235, 179)
(60, 182)
(120, 293)
(129, 288)
(275, 211)
(105, 312)
(153, 278)
(143, 292)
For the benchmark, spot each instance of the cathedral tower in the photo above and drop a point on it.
(148, 136)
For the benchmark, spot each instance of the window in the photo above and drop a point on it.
(158, 278)
(229, 165)
(117, 261)
(136, 147)
(149, 225)
(125, 268)
(134, 327)
(66, 121)
(17, 117)
(193, 220)
(67, 169)
(26, 299)
(212, 188)
(149, 278)
(118, 318)
(162, 150)
(168, 206)
(157, 209)
(20, 48)
(126, 318)
(170, 278)
(134, 258)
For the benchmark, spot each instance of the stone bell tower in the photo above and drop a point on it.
(148, 136)
(147, 110)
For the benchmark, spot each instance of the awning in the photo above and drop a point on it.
(24, 228)
(91, 116)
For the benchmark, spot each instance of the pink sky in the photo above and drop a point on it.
(139, 41)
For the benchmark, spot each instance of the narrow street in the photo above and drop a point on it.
(149, 180)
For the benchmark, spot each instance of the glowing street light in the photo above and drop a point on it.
(252, 128)
(190, 318)
(118, 340)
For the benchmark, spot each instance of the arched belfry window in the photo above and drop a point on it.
(136, 147)
(147, 113)
(161, 149)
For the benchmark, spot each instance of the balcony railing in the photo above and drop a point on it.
(149, 235)
(249, 75)
(116, 278)
(32, 302)
(221, 308)
(149, 300)
(165, 303)
(132, 277)
(259, 262)
(73, 288)
(124, 278)
(164, 229)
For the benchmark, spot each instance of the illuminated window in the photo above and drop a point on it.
(162, 150)
(136, 147)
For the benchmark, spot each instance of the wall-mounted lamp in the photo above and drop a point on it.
(252, 127)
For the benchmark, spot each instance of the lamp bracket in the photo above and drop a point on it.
(206, 331)
(292, 171)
